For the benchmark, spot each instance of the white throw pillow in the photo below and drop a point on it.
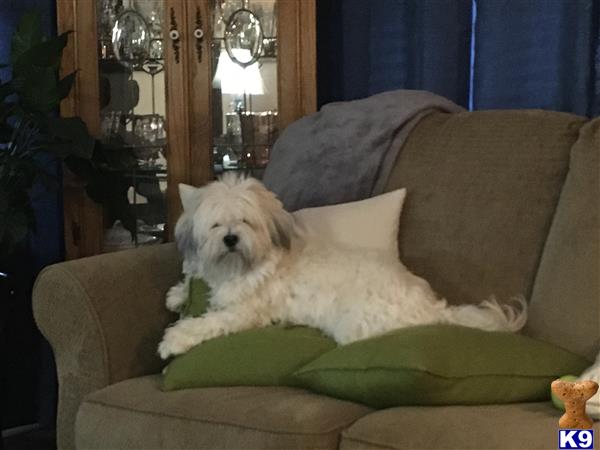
(370, 224)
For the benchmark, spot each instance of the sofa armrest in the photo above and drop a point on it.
(103, 317)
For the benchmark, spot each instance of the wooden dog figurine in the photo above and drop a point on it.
(574, 395)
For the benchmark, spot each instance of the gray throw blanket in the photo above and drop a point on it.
(346, 151)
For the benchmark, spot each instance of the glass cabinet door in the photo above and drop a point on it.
(244, 81)
(132, 97)
(178, 91)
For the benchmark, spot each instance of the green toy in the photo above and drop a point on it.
(197, 301)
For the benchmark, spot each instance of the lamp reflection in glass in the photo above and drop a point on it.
(235, 79)
(241, 83)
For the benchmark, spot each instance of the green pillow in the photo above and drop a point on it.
(260, 357)
(440, 365)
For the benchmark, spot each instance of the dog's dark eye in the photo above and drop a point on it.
(215, 225)
(246, 222)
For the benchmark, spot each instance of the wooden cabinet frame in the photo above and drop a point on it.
(188, 99)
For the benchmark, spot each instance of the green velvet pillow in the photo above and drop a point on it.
(260, 357)
(440, 365)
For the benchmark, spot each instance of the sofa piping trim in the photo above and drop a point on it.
(336, 429)
(92, 310)
(364, 441)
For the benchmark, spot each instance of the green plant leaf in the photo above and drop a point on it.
(16, 219)
(39, 90)
(6, 132)
(28, 34)
(65, 85)
(8, 109)
(69, 137)
(83, 168)
(6, 89)
(110, 189)
(44, 54)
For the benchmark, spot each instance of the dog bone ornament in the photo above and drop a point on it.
(574, 396)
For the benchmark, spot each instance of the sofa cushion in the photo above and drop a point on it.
(567, 286)
(137, 414)
(482, 190)
(515, 426)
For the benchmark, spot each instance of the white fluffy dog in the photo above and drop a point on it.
(235, 234)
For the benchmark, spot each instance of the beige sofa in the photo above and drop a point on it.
(500, 202)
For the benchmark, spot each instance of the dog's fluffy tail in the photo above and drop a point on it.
(489, 315)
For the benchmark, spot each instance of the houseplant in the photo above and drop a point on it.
(30, 131)
(33, 139)
(31, 134)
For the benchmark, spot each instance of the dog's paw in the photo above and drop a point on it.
(176, 297)
(175, 342)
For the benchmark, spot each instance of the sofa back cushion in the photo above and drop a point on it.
(565, 303)
(482, 191)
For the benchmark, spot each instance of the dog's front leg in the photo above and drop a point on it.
(186, 333)
(178, 295)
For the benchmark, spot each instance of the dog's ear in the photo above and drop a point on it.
(281, 223)
(189, 196)
(281, 226)
(184, 237)
(282, 231)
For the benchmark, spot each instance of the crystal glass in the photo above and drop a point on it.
(130, 38)
(243, 37)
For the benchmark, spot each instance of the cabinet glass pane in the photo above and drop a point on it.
(244, 47)
(132, 114)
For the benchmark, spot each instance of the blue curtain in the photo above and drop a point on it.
(481, 54)
(366, 47)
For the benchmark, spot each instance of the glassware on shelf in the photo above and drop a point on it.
(155, 50)
(108, 10)
(161, 132)
(118, 237)
(149, 127)
(223, 11)
(231, 159)
(152, 11)
(130, 33)
(244, 43)
(259, 132)
(244, 32)
(130, 38)
(232, 125)
(111, 125)
(148, 139)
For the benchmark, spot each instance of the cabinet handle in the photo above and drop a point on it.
(199, 34)
(174, 36)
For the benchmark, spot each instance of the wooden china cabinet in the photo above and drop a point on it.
(190, 89)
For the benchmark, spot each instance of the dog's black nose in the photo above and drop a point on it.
(230, 240)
